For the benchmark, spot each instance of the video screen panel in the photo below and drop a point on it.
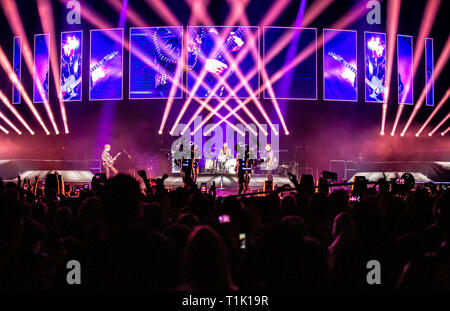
(375, 66)
(301, 81)
(155, 53)
(429, 67)
(211, 49)
(41, 67)
(339, 65)
(404, 69)
(17, 65)
(71, 65)
(106, 64)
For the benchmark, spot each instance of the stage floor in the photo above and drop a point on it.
(227, 184)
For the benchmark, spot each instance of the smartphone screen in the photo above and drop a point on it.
(355, 198)
(224, 219)
(242, 239)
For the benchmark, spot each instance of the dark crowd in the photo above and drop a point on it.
(186, 239)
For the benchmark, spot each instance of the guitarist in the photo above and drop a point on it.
(108, 162)
(224, 156)
(71, 65)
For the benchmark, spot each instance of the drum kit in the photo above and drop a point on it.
(220, 166)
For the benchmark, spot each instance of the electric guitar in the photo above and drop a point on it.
(105, 59)
(375, 84)
(69, 87)
(110, 162)
(229, 44)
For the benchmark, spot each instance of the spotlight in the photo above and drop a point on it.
(442, 134)
(160, 132)
(402, 134)
(417, 134)
(429, 134)
(392, 134)
(381, 133)
(286, 133)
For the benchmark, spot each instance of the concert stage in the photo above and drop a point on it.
(226, 184)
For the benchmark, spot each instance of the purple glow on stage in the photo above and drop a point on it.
(340, 65)
(123, 14)
(41, 67)
(286, 82)
(405, 69)
(301, 81)
(108, 109)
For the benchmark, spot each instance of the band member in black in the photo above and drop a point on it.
(188, 165)
(195, 154)
(243, 168)
(108, 162)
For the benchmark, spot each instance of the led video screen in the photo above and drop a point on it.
(71, 65)
(106, 64)
(214, 50)
(339, 65)
(429, 66)
(375, 66)
(404, 69)
(41, 67)
(299, 82)
(17, 66)
(155, 53)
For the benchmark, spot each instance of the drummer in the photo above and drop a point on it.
(224, 156)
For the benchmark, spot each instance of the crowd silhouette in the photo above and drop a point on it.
(175, 240)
